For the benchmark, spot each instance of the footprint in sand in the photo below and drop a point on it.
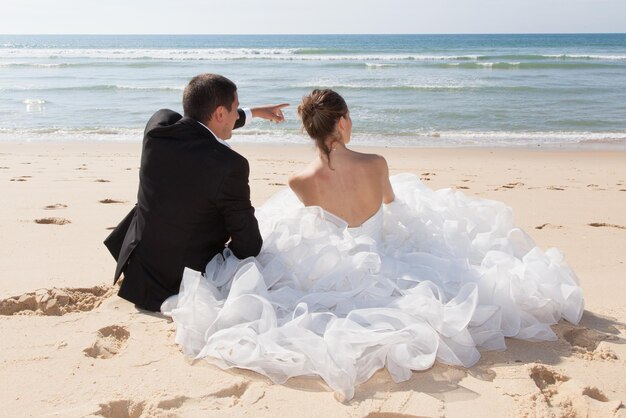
(238, 393)
(548, 225)
(425, 176)
(106, 201)
(173, 403)
(167, 407)
(595, 393)
(509, 186)
(546, 378)
(461, 187)
(585, 344)
(21, 178)
(604, 224)
(102, 181)
(567, 397)
(235, 390)
(52, 221)
(596, 187)
(55, 302)
(55, 206)
(555, 188)
(111, 340)
(583, 338)
(121, 408)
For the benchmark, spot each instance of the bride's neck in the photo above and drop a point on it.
(336, 145)
(333, 148)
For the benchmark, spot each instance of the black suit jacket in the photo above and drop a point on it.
(193, 198)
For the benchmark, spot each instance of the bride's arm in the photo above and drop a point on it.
(388, 194)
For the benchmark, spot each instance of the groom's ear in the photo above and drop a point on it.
(218, 114)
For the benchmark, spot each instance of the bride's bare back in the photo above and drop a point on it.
(352, 187)
(348, 184)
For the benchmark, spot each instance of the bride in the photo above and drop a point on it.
(349, 184)
(360, 271)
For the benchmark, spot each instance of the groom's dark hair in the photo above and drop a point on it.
(205, 93)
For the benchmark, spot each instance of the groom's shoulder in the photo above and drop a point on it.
(230, 157)
(162, 121)
(163, 117)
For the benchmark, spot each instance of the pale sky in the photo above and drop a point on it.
(310, 16)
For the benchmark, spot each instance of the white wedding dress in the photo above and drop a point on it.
(435, 275)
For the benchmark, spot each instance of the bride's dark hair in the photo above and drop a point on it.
(320, 112)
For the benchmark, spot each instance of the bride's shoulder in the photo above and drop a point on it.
(300, 180)
(374, 160)
(295, 180)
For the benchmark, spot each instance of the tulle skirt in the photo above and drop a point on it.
(439, 277)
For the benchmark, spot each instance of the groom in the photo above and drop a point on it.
(193, 194)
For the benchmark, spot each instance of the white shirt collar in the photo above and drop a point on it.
(220, 140)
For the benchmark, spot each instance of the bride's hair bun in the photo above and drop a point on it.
(320, 111)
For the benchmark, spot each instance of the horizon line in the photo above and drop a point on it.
(311, 34)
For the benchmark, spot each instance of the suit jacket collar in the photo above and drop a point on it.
(203, 130)
(220, 140)
(197, 126)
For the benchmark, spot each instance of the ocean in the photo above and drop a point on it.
(403, 90)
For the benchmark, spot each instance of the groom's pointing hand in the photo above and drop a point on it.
(273, 113)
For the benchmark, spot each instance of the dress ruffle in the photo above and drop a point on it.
(435, 275)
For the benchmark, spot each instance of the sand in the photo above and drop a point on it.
(70, 347)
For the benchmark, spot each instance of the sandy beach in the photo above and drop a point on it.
(71, 348)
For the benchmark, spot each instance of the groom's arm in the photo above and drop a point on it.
(234, 203)
(273, 113)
